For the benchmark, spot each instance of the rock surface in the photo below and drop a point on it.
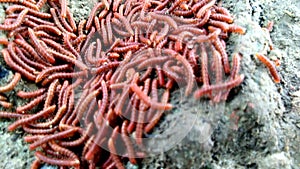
(259, 125)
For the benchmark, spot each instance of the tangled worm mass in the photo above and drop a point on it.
(105, 82)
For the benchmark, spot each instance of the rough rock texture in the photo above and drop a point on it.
(259, 125)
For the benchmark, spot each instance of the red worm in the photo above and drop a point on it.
(41, 3)
(113, 151)
(8, 60)
(63, 151)
(31, 50)
(40, 48)
(31, 104)
(63, 12)
(53, 161)
(147, 100)
(128, 143)
(60, 112)
(222, 17)
(10, 115)
(81, 140)
(219, 87)
(203, 9)
(148, 128)
(79, 64)
(11, 50)
(50, 70)
(30, 130)
(56, 136)
(6, 104)
(218, 45)
(17, 23)
(34, 117)
(3, 41)
(27, 95)
(12, 84)
(109, 28)
(92, 14)
(125, 22)
(15, 8)
(270, 66)
(51, 93)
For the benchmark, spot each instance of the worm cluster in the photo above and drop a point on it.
(100, 80)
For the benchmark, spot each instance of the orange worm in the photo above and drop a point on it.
(270, 66)
(236, 65)
(2, 98)
(220, 48)
(36, 164)
(222, 10)
(219, 24)
(236, 29)
(6, 104)
(222, 17)
(3, 41)
(12, 84)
